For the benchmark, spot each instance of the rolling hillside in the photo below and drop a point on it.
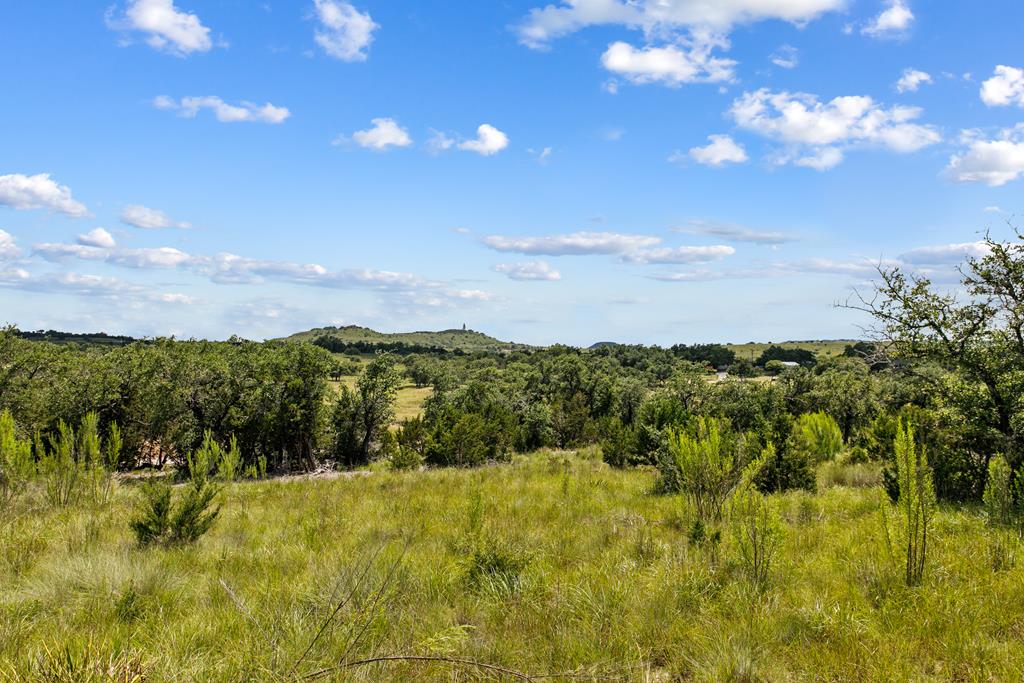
(450, 340)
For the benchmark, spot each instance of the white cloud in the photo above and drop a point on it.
(817, 130)
(944, 254)
(666, 255)
(39, 192)
(786, 57)
(672, 65)
(893, 22)
(167, 28)
(1006, 87)
(822, 159)
(384, 133)
(345, 33)
(575, 244)
(174, 298)
(189, 107)
(530, 270)
(994, 162)
(911, 80)
(993, 209)
(439, 142)
(226, 268)
(98, 237)
(489, 140)
(737, 233)
(659, 16)
(150, 219)
(8, 247)
(721, 150)
(543, 156)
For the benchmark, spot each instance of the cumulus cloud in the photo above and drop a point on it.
(822, 159)
(166, 27)
(671, 65)
(489, 140)
(439, 142)
(97, 237)
(344, 33)
(39, 192)
(146, 218)
(543, 25)
(529, 270)
(911, 80)
(893, 22)
(1006, 87)
(817, 131)
(786, 57)
(189, 107)
(575, 244)
(665, 255)
(993, 162)
(737, 233)
(384, 133)
(721, 150)
(8, 247)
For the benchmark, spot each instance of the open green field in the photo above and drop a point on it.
(824, 348)
(408, 403)
(555, 563)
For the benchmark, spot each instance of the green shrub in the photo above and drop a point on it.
(785, 469)
(819, 436)
(709, 465)
(161, 520)
(229, 464)
(16, 464)
(62, 473)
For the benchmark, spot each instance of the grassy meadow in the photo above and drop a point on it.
(553, 564)
(823, 348)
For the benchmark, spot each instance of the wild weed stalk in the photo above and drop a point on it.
(916, 505)
(1000, 514)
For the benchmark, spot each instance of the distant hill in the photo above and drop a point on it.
(79, 339)
(467, 341)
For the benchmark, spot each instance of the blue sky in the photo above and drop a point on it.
(658, 171)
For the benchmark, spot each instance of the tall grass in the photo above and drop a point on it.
(612, 589)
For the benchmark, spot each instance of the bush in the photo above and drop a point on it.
(161, 521)
(62, 472)
(819, 436)
(709, 466)
(785, 469)
(16, 464)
